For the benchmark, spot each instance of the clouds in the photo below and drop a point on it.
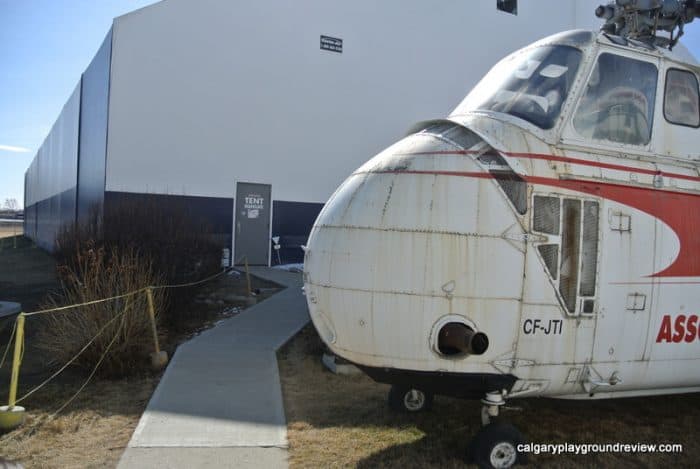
(12, 149)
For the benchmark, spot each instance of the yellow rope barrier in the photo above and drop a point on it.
(89, 378)
(16, 362)
(19, 347)
(18, 338)
(70, 362)
(94, 370)
(191, 284)
(9, 343)
(87, 303)
(124, 295)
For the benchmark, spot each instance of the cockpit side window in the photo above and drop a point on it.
(618, 103)
(681, 100)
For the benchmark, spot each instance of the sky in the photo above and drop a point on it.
(45, 45)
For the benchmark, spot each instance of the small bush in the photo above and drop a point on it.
(180, 247)
(97, 273)
(130, 246)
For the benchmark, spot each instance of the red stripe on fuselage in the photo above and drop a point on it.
(468, 174)
(598, 164)
(680, 211)
(564, 159)
(443, 152)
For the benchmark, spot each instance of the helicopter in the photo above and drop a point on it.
(542, 240)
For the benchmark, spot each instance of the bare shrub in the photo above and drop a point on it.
(97, 273)
(74, 238)
(179, 245)
(131, 245)
(180, 242)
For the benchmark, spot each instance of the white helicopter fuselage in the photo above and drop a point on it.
(572, 246)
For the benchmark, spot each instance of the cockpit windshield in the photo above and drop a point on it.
(531, 84)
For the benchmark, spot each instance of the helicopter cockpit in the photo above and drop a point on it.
(603, 89)
(618, 101)
(531, 84)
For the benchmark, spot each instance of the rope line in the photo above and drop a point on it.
(125, 295)
(46, 419)
(94, 370)
(190, 284)
(9, 343)
(87, 303)
(122, 315)
(107, 324)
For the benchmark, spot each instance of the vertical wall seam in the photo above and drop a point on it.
(77, 163)
(109, 108)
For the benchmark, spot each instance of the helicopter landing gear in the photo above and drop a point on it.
(495, 445)
(411, 400)
(491, 407)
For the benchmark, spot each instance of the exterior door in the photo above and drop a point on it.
(626, 297)
(252, 223)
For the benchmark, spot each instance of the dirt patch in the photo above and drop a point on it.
(344, 421)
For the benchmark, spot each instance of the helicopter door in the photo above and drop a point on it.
(626, 295)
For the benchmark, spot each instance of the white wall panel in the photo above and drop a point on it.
(56, 159)
(209, 92)
(52, 177)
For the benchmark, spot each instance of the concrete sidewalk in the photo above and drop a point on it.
(219, 403)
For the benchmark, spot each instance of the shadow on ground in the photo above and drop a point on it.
(345, 420)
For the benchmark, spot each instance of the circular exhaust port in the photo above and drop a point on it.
(456, 338)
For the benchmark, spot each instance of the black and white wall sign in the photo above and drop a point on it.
(332, 44)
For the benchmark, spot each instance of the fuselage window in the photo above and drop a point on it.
(545, 219)
(589, 252)
(681, 99)
(550, 255)
(618, 103)
(570, 253)
(570, 247)
(514, 187)
(546, 215)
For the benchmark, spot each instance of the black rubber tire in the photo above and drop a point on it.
(487, 439)
(397, 400)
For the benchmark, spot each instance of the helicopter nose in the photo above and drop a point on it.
(392, 255)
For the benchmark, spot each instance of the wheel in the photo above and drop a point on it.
(405, 399)
(496, 446)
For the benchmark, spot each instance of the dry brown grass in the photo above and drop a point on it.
(91, 433)
(341, 421)
(94, 429)
(7, 232)
(121, 328)
(26, 273)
